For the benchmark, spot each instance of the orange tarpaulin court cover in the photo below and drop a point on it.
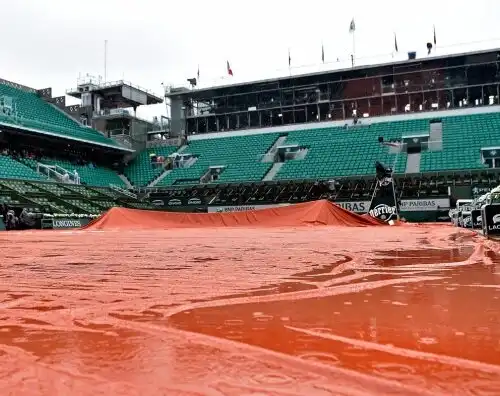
(310, 213)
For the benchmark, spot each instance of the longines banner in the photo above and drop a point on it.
(241, 208)
(407, 205)
(65, 223)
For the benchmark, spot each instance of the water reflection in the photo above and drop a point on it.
(316, 311)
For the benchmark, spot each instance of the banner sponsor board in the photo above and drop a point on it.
(491, 219)
(383, 205)
(407, 205)
(476, 218)
(424, 205)
(355, 206)
(65, 223)
(241, 208)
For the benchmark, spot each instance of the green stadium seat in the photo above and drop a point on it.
(241, 155)
(463, 138)
(12, 169)
(33, 112)
(140, 172)
(92, 176)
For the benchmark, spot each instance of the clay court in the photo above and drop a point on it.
(302, 300)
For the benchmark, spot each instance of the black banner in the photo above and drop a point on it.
(383, 205)
(491, 219)
(476, 218)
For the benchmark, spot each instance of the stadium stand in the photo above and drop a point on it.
(241, 156)
(331, 151)
(50, 197)
(90, 174)
(30, 111)
(12, 169)
(340, 152)
(273, 156)
(463, 138)
(140, 171)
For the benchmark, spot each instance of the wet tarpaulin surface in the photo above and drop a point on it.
(320, 212)
(291, 310)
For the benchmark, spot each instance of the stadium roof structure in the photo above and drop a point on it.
(112, 145)
(116, 94)
(176, 92)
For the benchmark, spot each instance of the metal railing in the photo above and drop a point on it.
(100, 84)
(122, 191)
(57, 173)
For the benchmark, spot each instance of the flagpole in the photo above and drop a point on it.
(289, 63)
(353, 47)
(105, 60)
(352, 30)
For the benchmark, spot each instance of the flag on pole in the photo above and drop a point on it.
(289, 58)
(322, 53)
(198, 73)
(434, 27)
(352, 26)
(395, 43)
(229, 70)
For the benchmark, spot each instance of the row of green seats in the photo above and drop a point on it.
(463, 138)
(140, 171)
(12, 169)
(241, 155)
(34, 112)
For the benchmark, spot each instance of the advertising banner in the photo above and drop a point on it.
(355, 206)
(67, 223)
(476, 219)
(383, 205)
(407, 205)
(241, 208)
(491, 219)
(424, 205)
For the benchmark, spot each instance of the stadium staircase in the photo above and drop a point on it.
(436, 136)
(126, 181)
(413, 163)
(273, 171)
(141, 172)
(29, 111)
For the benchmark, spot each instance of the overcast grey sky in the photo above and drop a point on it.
(50, 42)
